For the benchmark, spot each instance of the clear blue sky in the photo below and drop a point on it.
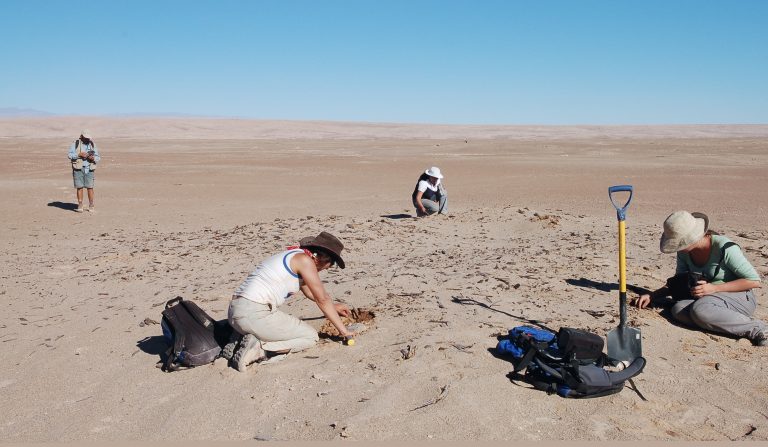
(473, 62)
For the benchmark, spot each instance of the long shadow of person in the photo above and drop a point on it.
(604, 286)
(63, 205)
(664, 304)
(397, 216)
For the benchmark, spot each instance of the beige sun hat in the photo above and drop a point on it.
(85, 134)
(682, 229)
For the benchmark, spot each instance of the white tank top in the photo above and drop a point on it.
(272, 281)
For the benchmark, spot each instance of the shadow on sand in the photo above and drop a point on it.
(64, 205)
(473, 302)
(397, 216)
(664, 304)
(605, 286)
(155, 345)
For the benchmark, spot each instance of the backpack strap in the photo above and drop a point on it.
(634, 368)
(198, 314)
(178, 335)
(178, 346)
(536, 347)
(173, 302)
(725, 246)
(526, 360)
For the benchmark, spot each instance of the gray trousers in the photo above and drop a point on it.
(433, 207)
(724, 312)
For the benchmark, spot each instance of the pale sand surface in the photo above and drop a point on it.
(189, 206)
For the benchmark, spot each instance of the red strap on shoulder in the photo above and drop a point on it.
(296, 247)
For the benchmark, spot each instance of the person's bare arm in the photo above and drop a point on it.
(646, 299)
(314, 290)
(738, 285)
(418, 202)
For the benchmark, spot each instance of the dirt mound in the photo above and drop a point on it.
(359, 320)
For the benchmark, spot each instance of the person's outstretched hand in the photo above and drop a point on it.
(643, 301)
(342, 309)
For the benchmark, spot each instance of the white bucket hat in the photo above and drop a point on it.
(682, 229)
(434, 171)
(85, 134)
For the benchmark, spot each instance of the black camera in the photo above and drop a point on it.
(694, 278)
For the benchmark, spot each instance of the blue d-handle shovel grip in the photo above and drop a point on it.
(621, 211)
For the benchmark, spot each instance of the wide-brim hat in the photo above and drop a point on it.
(85, 134)
(682, 229)
(434, 171)
(328, 243)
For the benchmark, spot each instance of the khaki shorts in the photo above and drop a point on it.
(82, 179)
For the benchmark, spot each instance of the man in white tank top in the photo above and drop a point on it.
(268, 332)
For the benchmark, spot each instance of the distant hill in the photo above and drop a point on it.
(159, 128)
(162, 115)
(10, 112)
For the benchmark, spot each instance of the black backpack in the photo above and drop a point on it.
(194, 337)
(570, 363)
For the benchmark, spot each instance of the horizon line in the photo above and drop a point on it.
(37, 114)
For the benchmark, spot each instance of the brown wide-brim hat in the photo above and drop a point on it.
(682, 229)
(328, 243)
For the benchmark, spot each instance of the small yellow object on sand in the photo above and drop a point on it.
(351, 342)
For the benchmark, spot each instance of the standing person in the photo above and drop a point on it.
(720, 296)
(429, 196)
(253, 310)
(84, 156)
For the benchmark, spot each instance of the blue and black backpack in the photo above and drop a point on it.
(570, 363)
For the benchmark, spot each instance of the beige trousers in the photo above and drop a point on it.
(277, 330)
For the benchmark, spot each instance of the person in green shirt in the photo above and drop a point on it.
(723, 299)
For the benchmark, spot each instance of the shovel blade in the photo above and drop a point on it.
(625, 344)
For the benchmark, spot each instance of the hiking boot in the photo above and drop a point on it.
(761, 339)
(250, 351)
(228, 351)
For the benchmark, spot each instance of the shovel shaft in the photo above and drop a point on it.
(622, 258)
(622, 274)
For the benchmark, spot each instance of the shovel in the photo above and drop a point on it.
(624, 342)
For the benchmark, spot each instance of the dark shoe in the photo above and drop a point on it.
(761, 339)
(228, 351)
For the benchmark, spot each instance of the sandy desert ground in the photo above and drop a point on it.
(189, 206)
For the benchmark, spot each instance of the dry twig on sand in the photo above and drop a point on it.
(462, 348)
(443, 393)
